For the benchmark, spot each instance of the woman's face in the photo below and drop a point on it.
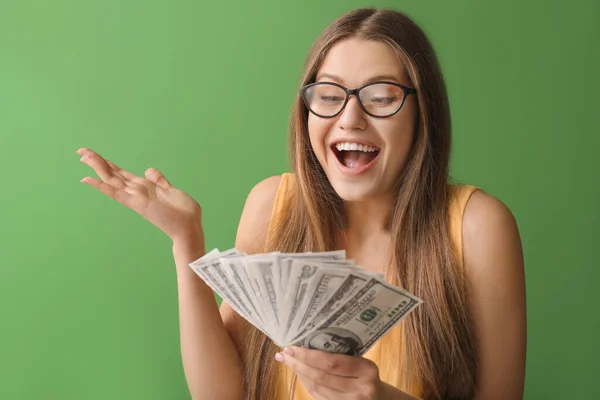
(358, 175)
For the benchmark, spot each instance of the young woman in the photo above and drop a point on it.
(370, 146)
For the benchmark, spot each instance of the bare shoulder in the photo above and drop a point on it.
(493, 259)
(493, 254)
(254, 222)
(487, 218)
(251, 236)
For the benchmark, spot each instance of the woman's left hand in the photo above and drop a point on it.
(331, 376)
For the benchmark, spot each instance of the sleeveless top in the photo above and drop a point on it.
(460, 195)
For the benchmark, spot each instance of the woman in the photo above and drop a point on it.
(370, 146)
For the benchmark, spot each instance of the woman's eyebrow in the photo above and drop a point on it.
(375, 78)
(383, 78)
(333, 77)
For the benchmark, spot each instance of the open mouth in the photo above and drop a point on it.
(354, 155)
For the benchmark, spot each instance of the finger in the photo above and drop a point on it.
(134, 191)
(316, 378)
(126, 175)
(136, 187)
(323, 392)
(119, 195)
(157, 178)
(339, 364)
(103, 169)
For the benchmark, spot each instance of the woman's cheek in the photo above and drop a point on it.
(318, 132)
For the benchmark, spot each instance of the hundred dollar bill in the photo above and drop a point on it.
(250, 292)
(362, 320)
(301, 272)
(286, 262)
(353, 282)
(209, 257)
(321, 288)
(261, 271)
(282, 264)
(317, 300)
(240, 281)
(211, 270)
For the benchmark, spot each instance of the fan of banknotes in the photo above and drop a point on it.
(315, 300)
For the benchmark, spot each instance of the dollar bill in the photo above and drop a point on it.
(241, 275)
(301, 272)
(315, 300)
(362, 320)
(206, 260)
(352, 284)
(240, 281)
(320, 289)
(212, 271)
(287, 258)
(261, 271)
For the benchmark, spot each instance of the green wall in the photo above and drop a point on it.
(88, 301)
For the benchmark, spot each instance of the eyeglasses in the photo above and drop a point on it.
(377, 99)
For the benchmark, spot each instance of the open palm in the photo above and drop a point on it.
(153, 197)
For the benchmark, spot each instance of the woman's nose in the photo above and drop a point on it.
(353, 116)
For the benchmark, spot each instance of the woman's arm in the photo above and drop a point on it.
(250, 239)
(212, 339)
(493, 260)
(210, 359)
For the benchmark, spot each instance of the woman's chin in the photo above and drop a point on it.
(354, 192)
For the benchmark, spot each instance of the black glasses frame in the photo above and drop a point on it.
(349, 92)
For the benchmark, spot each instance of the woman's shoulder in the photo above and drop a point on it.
(482, 216)
(492, 247)
(265, 190)
(493, 260)
(485, 214)
(476, 218)
(256, 215)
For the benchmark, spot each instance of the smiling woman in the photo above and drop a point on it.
(370, 144)
(382, 97)
(383, 107)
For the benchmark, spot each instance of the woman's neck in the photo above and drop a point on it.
(365, 238)
(365, 218)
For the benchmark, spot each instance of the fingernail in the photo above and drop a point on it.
(289, 350)
(279, 357)
(84, 180)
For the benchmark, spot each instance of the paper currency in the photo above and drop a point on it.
(355, 326)
(316, 300)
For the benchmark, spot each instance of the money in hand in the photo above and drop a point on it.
(316, 300)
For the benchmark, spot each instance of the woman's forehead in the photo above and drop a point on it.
(354, 62)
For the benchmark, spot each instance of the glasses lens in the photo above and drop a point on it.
(325, 99)
(381, 99)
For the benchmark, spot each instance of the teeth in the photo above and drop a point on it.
(347, 146)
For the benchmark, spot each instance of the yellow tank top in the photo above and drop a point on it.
(458, 202)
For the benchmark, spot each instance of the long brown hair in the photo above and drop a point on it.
(437, 345)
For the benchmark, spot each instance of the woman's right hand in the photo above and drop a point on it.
(173, 211)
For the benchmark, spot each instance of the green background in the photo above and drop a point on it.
(202, 91)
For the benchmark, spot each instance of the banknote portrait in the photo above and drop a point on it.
(334, 340)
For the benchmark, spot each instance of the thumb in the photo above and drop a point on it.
(157, 178)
